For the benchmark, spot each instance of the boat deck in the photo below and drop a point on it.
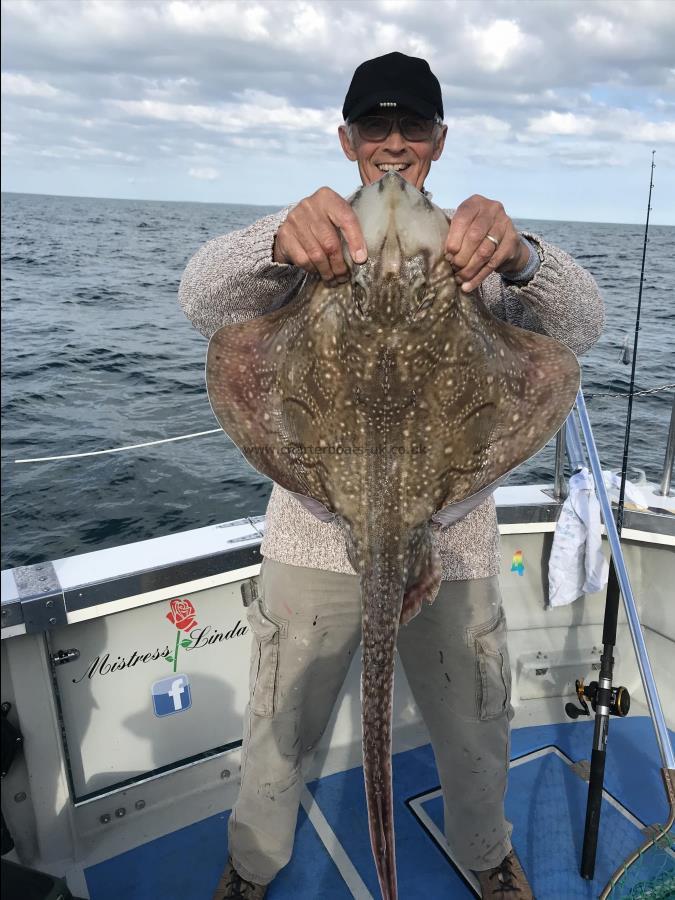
(127, 803)
(332, 859)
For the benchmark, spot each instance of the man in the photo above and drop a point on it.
(306, 624)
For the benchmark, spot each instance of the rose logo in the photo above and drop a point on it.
(182, 615)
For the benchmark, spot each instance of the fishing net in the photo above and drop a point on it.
(649, 872)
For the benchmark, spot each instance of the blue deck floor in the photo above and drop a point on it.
(545, 803)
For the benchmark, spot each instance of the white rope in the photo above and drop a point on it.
(182, 437)
(615, 394)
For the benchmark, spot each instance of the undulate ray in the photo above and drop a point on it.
(387, 399)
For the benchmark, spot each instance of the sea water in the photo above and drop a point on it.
(96, 353)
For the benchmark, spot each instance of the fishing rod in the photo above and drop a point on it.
(644, 666)
(605, 699)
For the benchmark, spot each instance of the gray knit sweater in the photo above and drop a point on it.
(233, 278)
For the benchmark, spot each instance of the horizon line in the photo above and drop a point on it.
(282, 205)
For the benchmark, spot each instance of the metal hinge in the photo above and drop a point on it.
(61, 657)
(42, 601)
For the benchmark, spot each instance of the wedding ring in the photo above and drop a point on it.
(493, 239)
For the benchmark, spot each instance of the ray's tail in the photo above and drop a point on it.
(382, 598)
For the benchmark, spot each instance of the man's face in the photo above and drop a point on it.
(411, 158)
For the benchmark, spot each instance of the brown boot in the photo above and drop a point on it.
(233, 886)
(507, 881)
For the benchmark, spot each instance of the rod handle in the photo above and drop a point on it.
(593, 808)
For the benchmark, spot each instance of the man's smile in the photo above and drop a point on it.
(392, 167)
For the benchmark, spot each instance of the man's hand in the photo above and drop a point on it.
(310, 237)
(469, 250)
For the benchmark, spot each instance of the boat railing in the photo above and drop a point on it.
(667, 474)
(568, 446)
(637, 637)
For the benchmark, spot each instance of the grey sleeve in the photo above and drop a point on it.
(561, 300)
(233, 278)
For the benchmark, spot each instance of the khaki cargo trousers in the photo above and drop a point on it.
(306, 627)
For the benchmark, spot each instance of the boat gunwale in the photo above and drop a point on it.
(233, 553)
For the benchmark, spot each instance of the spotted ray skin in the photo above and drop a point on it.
(387, 399)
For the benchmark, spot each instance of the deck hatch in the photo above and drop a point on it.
(107, 697)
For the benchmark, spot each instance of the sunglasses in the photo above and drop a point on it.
(412, 128)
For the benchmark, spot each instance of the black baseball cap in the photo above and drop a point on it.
(396, 80)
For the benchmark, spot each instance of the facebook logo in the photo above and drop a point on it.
(171, 695)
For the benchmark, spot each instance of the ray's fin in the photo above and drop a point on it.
(424, 577)
(517, 397)
(247, 383)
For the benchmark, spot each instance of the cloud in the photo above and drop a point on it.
(254, 109)
(80, 151)
(16, 85)
(9, 140)
(497, 44)
(561, 123)
(608, 124)
(253, 22)
(488, 127)
(654, 132)
(173, 87)
(204, 174)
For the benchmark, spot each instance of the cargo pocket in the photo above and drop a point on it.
(264, 660)
(493, 669)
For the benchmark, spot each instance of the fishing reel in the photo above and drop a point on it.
(619, 700)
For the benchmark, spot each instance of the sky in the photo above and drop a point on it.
(552, 107)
